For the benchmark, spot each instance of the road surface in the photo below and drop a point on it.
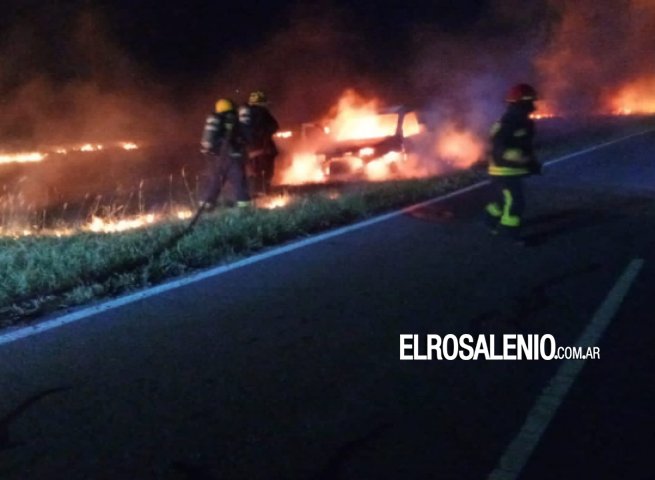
(289, 368)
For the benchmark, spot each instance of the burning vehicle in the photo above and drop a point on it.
(382, 148)
(358, 142)
(361, 139)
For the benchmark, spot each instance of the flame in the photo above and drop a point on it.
(377, 170)
(352, 118)
(355, 118)
(358, 119)
(89, 147)
(24, 157)
(458, 147)
(274, 201)
(304, 168)
(285, 134)
(544, 110)
(366, 152)
(100, 225)
(184, 214)
(637, 97)
(94, 147)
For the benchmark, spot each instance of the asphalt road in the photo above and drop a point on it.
(289, 368)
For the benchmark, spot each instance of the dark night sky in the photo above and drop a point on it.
(165, 59)
(190, 36)
(182, 39)
(134, 55)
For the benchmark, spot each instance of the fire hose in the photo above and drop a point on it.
(124, 268)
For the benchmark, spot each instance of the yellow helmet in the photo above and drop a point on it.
(224, 105)
(257, 97)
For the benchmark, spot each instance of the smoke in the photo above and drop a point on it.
(595, 49)
(304, 66)
(70, 82)
(64, 78)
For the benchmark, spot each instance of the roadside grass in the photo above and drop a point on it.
(42, 274)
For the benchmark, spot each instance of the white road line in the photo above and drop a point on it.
(518, 452)
(596, 147)
(18, 333)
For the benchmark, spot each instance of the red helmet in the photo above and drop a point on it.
(521, 92)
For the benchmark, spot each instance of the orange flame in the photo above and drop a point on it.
(355, 118)
(358, 119)
(284, 134)
(274, 201)
(24, 157)
(305, 168)
(637, 97)
(460, 148)
(89, 147)
(544, 110)
(100, 225)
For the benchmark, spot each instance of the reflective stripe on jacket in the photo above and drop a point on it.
(512, 151)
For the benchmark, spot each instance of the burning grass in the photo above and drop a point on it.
(42, 273)
(34, 266)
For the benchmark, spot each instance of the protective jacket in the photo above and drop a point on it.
(512, 150)
(223, 134)
(225, 144)
(261, 128)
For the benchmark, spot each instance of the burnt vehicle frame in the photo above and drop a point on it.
(350, 157)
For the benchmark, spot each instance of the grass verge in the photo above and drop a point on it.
(41, 274)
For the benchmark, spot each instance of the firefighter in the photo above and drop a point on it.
(224, 143)
(261, 126)
(511, 159)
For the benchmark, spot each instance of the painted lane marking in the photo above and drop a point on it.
(518, 452)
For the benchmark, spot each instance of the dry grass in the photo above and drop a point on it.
(42, 273)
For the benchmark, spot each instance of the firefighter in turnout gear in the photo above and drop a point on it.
(224, 143)
(511, 159)
(261, 126)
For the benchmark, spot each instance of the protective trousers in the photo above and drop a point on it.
(508, 202)
(263, 169)
(228, 170)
